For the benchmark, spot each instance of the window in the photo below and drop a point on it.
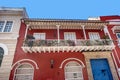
(1, 25)
(40, 36)
(70, 36)
(94, 35)
(6, 26)
(73, 71)
(1, 55)
(119, 71)
(118, 36)
(24, 72)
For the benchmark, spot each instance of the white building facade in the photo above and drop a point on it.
(10, 21)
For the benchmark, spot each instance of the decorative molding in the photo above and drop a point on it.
(23, 60)
(71, 59)
(24, 74)
(5, 48)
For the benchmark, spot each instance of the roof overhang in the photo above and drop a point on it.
(64, 23)
(13, 11)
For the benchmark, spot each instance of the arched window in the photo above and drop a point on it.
(24, 72)
(73, 71)
(1, 55)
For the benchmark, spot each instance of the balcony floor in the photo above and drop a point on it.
(44, 49)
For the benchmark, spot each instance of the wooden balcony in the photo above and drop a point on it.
(40, 46)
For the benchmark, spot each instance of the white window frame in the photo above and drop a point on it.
(119, 72)
(1, 58)
(24, 74)
(118, 39)
(71, 72)
(5, 48)
(89, 33)
(40, 34)
(3, 26)
(69, 33)
(5, 22)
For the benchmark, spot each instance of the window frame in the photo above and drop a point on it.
(118, 39)
(89, 33)
(40, 34)
(1, 58)
(26, 68)
(78, 66)
(74, 33)
(4, 25)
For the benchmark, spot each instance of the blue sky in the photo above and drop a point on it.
(66, 9)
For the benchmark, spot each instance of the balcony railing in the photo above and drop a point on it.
(39, 46)
(54, 42)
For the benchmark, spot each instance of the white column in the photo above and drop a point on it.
(83, 28)
(58, 33)
(26, 31)
(106, 31)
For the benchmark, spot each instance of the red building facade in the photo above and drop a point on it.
(53, 49)
(114, 30)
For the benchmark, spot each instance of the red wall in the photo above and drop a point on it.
(116, 51)
(114, 37)
(52, 33)
(43, 59)
(104, 18)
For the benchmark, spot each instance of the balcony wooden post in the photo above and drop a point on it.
(83, 28)
(107, 32)
(58, 33)
(26, 31)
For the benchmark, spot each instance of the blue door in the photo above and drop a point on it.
(101, 69)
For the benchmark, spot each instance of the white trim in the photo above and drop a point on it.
(119, 72)
(74, 33)
(61, 65)
(117, 55)
(40, 34)
(4, 48)
(5, 22)
(26, 31)
(4, 26)
(114, 51)
(12, 26)
(113, 30)
(25, 60)
(115, 63)
(112, 43)
(58, 32)
(94, 33)
(118, 39)
(106, 31)
(80, 67)
(23, 64)
(83, 28)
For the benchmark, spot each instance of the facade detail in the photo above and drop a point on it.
(114, 30)
(73, 71)
(24, 72)
(64, 49)
(58, 49)
(9, 33)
